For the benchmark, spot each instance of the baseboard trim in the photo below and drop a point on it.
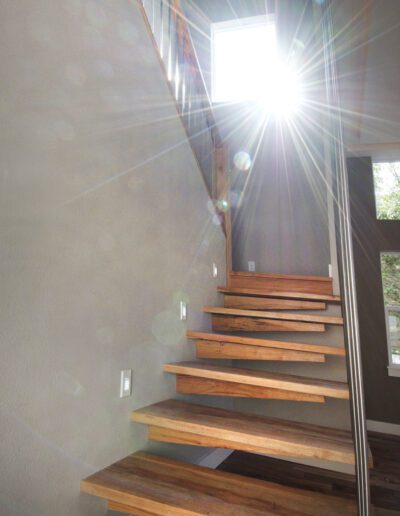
(215, 458)
(382, 427)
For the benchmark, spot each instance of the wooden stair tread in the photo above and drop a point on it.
(143, 483)
(279, 294)
(251, 341)
(248, 432)
(270, 303)
(268, 275)
(261, 378)
(231, 351)
(229, 323)
(319, 319)
(281, 282)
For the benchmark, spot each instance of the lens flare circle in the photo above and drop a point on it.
(242, 161)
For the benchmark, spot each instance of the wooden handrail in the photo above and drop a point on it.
(222, 194)
(190, 56)
(182, 56)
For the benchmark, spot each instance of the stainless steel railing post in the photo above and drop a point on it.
(346, 265)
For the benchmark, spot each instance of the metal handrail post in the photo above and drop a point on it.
(346, 266)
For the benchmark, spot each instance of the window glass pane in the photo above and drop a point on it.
(244, 53)
(387, 190)
(390, 269)
(240, 73)
(394, 334)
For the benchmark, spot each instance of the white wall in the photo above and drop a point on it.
(104, 227)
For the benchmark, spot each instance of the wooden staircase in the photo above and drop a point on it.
(145, 484)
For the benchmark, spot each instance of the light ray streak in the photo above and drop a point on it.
(321, 108)
(139, 165)
(260, 139)
(180, 14)
(344, 30)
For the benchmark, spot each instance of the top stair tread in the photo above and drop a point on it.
(281, 282)
(280, 294)
(261, 378)
(251, 341)
(161, 486)
(237, 312)
(268, 275)
(288, 438)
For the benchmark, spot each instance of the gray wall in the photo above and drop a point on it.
(279, 206)
(104, 226)
(281, 221)
(370, 238)
(369, 74)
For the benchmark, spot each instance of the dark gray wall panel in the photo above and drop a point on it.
(370, 237)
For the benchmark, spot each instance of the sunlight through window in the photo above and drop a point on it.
(246, 66)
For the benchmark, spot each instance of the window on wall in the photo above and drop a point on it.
(387, 190)
(390, 270)
(242, 51)
(246, 66)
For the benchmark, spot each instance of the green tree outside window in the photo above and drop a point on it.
(387, 190)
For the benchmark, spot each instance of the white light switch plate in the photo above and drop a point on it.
(252, 266)
(125, 388)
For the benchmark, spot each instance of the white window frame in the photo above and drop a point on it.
(393, 369)
(253, 21)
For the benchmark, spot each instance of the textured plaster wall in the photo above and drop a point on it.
(104, 227)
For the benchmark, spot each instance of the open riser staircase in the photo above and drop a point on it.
(185, 423)
(147, 484)
(263, 304)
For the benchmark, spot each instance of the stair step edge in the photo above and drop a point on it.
(261, 314)
(278, 344)
(278, 294)
(261, 378)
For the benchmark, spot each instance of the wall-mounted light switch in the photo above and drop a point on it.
(214, 270)
(183, 311)
(330, 270)
(252, 266)
(125, 388)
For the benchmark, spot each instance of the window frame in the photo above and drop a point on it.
(231, 25)
(393, 369)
